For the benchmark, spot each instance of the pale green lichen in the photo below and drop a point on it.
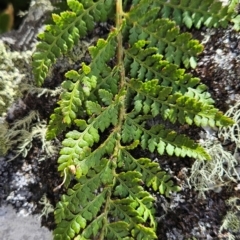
(221, 170)
(16, 79)
(47, 206)
(15, 66)
(39, 91)
(19, 136)
(213, 174)
(14, 69)
(231, 222)
(232, 133)
(3, 142)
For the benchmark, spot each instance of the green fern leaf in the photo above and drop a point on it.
(69, 27)
(102, 54)
(152, 175)
(208, 13)
(175, 47)
(93, 108)
(137, 211)
(77, 147)
(77, 88)
(169, 75)
(56, 125)
(160, 139)
(71, 218)
(127, 187)
(174, 106)
(117, 230)
(113, 105)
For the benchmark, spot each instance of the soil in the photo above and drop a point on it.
(24, 181)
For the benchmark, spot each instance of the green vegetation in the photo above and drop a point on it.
(110, 109)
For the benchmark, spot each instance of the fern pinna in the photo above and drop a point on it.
(134, 76)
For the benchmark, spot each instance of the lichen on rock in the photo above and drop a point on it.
(14, 69)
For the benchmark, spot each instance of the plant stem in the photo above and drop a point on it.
(121, 99)
(119, 17)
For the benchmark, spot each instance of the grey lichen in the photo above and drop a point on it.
(221, 171)
(14, 69)
(231, 221)
(47, 206)
(19, 136)
(213, 174)
(232, 133)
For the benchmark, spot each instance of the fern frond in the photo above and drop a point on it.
(68, 28)
(197, 13)
(101, 54)
(77, 88)
(152, 175)
(158, 100)
(77, 145)
(105, 96)
(163, 140)
(73, 215)
(80, 86)
(56, 124)
(146, 64)
(128, 185)
(109, 105)
(134, 206)
(137, 208)
(117, 230)
(176, 47)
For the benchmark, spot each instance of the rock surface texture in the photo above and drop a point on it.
(16, 226)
